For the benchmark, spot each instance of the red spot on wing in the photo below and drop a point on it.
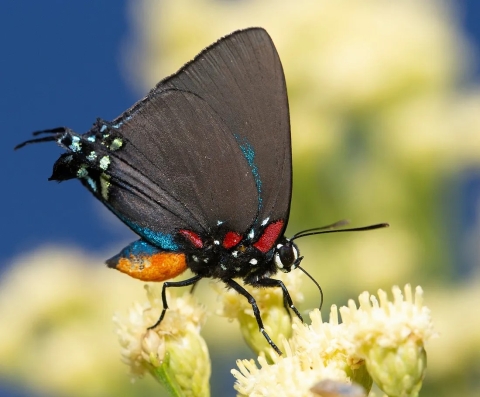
(193, 237)
(231, 239)
(269, 236)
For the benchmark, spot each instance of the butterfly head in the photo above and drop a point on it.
(286, 256)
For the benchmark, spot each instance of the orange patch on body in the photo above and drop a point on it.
(159, 267)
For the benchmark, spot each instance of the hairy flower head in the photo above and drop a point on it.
(173, 352)
(383, 341)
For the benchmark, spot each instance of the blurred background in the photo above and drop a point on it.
(385, 113)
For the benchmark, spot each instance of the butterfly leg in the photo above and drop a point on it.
(194, 285)
(271, 282)
(256, 312)
(168, 284)
(286, 306)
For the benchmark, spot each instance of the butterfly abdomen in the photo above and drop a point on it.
(146, 262)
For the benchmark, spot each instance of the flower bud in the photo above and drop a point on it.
(398, 371)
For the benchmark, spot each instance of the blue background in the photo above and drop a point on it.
(61, 66)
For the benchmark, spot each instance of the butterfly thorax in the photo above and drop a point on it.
(214, 261)
(217, 258)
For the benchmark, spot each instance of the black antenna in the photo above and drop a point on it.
(331, 229)
(332, 226)
(315, 282)
(55, 131)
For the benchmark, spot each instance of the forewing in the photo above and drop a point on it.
(179, 168)
(241, 79)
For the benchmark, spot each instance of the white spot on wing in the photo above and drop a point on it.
(76, 145)
(92, 156)
(116, 144)
(82, 171)
(104, 162)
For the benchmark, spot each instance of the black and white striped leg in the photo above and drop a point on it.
(169, 284)
(256, 312)
(271, 282)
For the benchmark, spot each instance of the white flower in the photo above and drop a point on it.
(383, 341)
(173, 352)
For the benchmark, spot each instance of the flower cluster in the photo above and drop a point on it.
(379, 340)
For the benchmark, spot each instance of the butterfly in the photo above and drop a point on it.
(201, 170)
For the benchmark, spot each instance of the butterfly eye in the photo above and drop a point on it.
(285, 257)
